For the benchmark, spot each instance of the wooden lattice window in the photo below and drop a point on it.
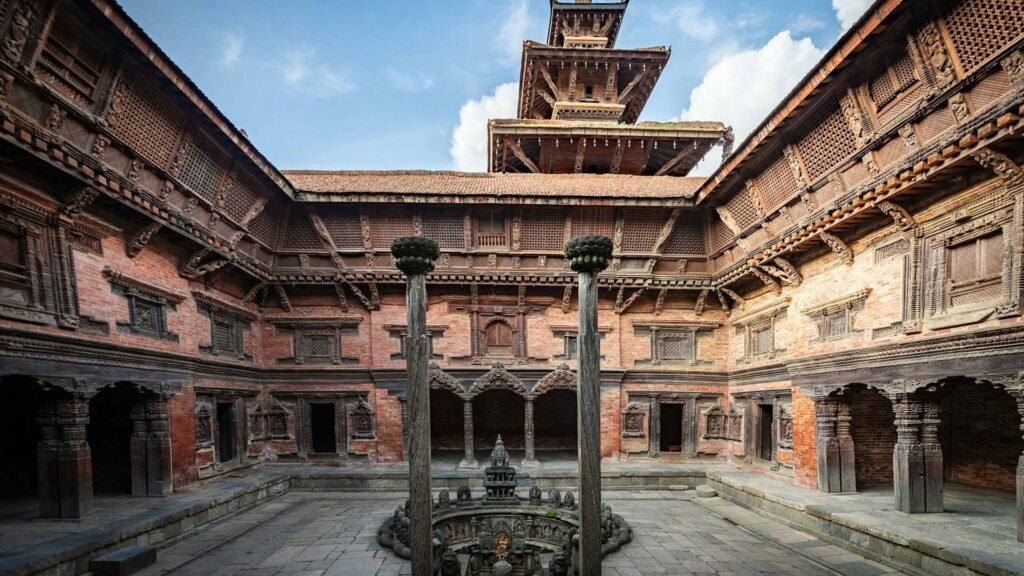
(642, 227)
(687, 235)
(721, 235)
(147, 313)
(490, 228)
(827, 142)
(71, 63)
(226, 333)
(762, 339)
(342, 223)
(980, 28)
(593, 220)
(149, 122)
(498, 339)
(203, 167)
(570, 342)
(541, 227)
(388, 223)
(976, 270)
(239, 195)
(776, 185)
(445, 226)
(672, 346)
(13, 273)
(893, 81)
(264, 226)
(742, 209)
(300, 234)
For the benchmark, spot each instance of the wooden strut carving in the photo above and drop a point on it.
(837, 246)
(621, 306)
(193, 267)
(783, 270)
(141, 239)
(581, 152)
(731, 294)
(253, 292)
(1000, 164)
(764, 278)
(339, 289)
(659, 303)
(723, 301)
(78, 201)
(360, 296)
(286, 304)
(521, 155)
(702, 298)
(566, 298)
(903, 220)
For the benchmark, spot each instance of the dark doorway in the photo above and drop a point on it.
(321, 417)
(670, 432)
(499, 412)
(447, 429)
(225, 432)
(19, 402)
(765, 421)
(554, 420)
(109, 434)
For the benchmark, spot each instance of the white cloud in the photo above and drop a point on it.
(691, 20)
(320, 81)
(233, 44)
(410, 82)
(848, 11)
(509, 39)
(805, 23)
(768, 72)
(469, 139)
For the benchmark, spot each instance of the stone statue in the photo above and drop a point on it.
(502, 568)
(402, 530)
(554, 498)
(462, 495)
(559, 565)
(449, 564)
(444, 500)
(569, 501)
(535, 496)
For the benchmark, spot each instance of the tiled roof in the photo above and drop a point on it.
(420, 182)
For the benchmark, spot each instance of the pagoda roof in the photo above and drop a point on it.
(561, 9)
(536, 54)
(421, 185)
(687, 129)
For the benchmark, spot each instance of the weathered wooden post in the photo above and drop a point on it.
(415, 257)
(589, 255)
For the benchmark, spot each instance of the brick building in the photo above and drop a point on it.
(839, 303)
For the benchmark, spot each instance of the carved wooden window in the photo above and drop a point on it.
(490, 228)
(980, 28)
(893, 81)
(319, 344)
(342, 223)
(147, 314)
(403, 339)
(14, 279)
(673, 346)
(148, 121)
(688, 236)
(541, 227)
(827, 142)
(444, 225)
(975, 270)
(226, 333)
(642, 228)
(71, 63)
(570, 342)
(761, 339)
(498, 339)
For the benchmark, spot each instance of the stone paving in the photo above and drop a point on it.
(311, 534)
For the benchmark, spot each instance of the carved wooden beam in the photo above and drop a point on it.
(702, 298)
(764, 278)
(659, 303)
(360, 296)
(141, 238)
(627, 92)
(1000, 164)
(339, 289)
(837, 246)
(547, 97)
(518, 151)
(250, 296)
(546, 74)
(686, 151)
(736, 297)
(783, 270)
(581, 151)
(723, 301)
(623, 305)
(254, 211)
(75, 203)
(194, 268)
(903, 220)
(211, 279)
(666, 230)
(286, 304)
(617, 158)
(566, 298)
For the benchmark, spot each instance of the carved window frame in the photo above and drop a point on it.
(303, 335)
(139, 300)
(635, 409)
(950, 291)
(400, 334)
(82, 36)
(658, 335)
(235, 324)
(845, 309)
(478, 229)
(764, 320)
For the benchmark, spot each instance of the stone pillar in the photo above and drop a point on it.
(530, 459)
(415, 257)
(588, 255)
(63, 457)
(917, 467)
(835, 451)
(468, 457)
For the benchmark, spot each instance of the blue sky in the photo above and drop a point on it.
(399, 84)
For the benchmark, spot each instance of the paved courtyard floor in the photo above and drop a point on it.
(311, 534)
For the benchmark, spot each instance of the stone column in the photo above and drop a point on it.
(468, 457)
(917, 468)
(530, 459)
(415, 257)
(588, 255)
(63, 457)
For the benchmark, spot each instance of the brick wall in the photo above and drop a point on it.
(981, 439)
(874, 435)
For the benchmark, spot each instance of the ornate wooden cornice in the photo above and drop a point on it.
(843, 300)
(762, 312)
(127, 281)
(216, 301)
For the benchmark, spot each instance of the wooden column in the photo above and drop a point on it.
(63, 457)
(530, 459)
(159, 472)
(415, 257)
(589, 255)
(469, 456)
(917, 457)
(835, 449)
(1019, 395)
(847, 452)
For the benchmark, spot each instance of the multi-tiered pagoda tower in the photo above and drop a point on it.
(579, 101)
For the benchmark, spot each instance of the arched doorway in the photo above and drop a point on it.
(109, 433)
(498, 412)
(19, 438)
(447, 429)
(980, 435)
(555, 424)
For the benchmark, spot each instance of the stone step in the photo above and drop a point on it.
(124, 561)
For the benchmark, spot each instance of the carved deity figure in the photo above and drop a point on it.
(449, 564)
(462, 495)
(559, 565)
(444, 499)
(569, 501)
(554, 498)
(535, 495)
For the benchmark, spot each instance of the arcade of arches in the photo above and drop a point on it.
(837, 309)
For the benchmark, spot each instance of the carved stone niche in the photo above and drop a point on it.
(257, 422)
(834, 319)
(204, 424)
(634, 420)
(361, 414)
(715, 423)
(734, 425)
(785, 427)
(147, 305)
